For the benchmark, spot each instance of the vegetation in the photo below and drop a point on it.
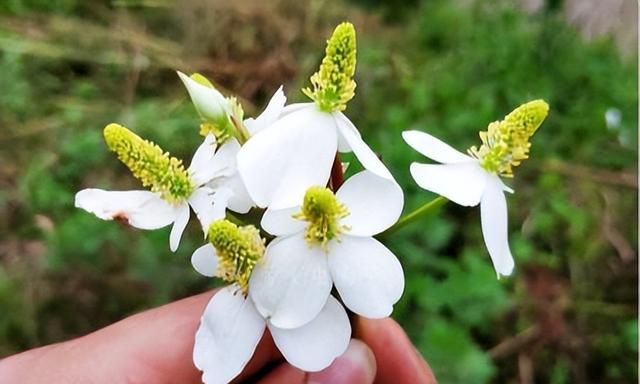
(569, 312)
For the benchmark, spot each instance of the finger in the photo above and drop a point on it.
(356, 366)
(397, 359)
(155, 346)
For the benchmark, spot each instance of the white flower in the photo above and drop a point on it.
(461, 179)
(329, 240)
(278, 164)
(231, 328)
(214, 184)
(149, 210)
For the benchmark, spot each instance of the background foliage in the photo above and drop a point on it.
(568, 314)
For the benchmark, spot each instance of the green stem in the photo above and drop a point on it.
(417, 214)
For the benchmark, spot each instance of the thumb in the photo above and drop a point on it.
(357, 365)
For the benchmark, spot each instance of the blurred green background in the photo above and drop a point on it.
(567, 315)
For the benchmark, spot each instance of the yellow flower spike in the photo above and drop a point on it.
(506, 143)
(323, 212)
(239, 249)
(165, 175)
(333, 84)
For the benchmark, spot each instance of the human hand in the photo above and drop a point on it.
(156, 347)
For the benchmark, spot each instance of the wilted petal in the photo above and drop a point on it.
(269, 115)
(205, 260)
(280, 222)
(280, 163)
(361, 150)
(493, 215)
(434, 148)
(374, 203)
(200, 167)
(367, 275)
(462, 183)
(141, 209)
(209, 103)
(291, 284)
(229, 332)
(315, 345)
(182, 218)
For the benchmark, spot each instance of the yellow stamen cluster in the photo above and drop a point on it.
(323, 212)
(239, 249)
(333, 84)
(506, 143)
(165, 175)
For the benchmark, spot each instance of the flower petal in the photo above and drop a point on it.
(178, 227)
(269, 115)
(493, 215)
(279, 222)
(209, 205)
(462, 183)
(280, 163)
(141, 209)
(434, 148)
(374, 203)
(361, 150)
(315, 345)
(224, 162)
(239, 201)
(229, 332)
(367, 275)
(200, 167)
(209, 103)
(291, 284)
(205, 260)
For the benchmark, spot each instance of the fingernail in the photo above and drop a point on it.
(356, 366)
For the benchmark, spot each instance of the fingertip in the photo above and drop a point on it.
(398, 361)
(356, 366)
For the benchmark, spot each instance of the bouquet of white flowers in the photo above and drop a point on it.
(282, 224)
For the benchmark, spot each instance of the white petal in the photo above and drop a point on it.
(200, 167)
(209, 205)
(462, 183)
(229, 332)
(493, 215)
(289, 109)
(141, 209)
(361, 150)
(291, 285)
(205, 260)
(280, 163)
(269, 115)
(315, 345)
(239, 201)
(209, 103)
(374, 203)
(178, 227)
(434, 148)
(367, 275)
(224, 161)
(279, 222)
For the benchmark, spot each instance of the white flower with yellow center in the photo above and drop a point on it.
(231, 326)
(210, 185)
(298, 149)
(173, 188)
(329, 240)
(474, 179)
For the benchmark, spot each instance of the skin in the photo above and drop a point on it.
(156, 347)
